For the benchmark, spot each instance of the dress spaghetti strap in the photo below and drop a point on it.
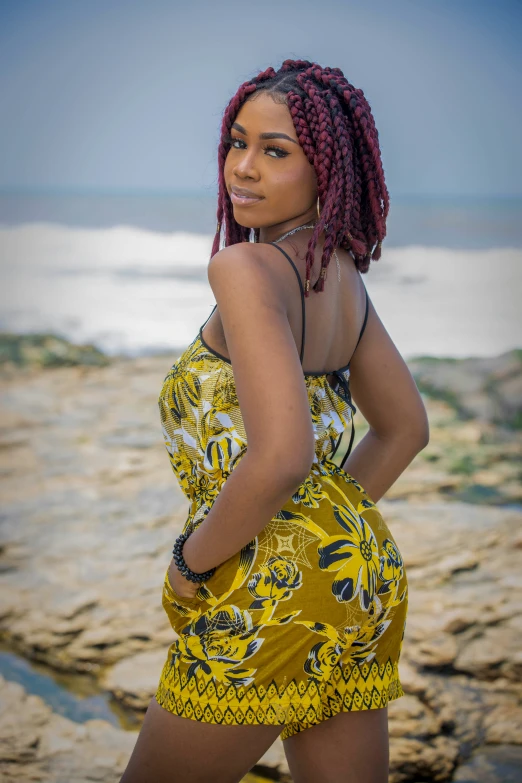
(363, 327)
(208, 319)
(348, 450)
(301, 288)
(301, 352)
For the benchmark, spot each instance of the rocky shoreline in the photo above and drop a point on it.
(90, 511)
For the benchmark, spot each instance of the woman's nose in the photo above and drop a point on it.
(246, 166)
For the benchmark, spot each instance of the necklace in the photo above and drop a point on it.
(301, 228)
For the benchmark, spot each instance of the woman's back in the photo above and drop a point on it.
(343, 330)
(334, 317)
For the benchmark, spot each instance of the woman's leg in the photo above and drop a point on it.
(350, 747)
(171, 749)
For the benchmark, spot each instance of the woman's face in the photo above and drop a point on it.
(275, 170)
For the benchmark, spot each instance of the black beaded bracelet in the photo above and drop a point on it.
(182, 566)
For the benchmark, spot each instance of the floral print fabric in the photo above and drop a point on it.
(308, 619)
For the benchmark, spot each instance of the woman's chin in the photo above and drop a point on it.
(244, 224)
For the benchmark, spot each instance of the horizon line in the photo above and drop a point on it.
(81, 190)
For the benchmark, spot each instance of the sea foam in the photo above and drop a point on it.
(132, 291)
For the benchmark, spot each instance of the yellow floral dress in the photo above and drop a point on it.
(308, 619)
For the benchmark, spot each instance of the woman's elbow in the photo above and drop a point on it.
(423, 429)
(413, 432)
(425, 436)
(417, 434)
(416, 427)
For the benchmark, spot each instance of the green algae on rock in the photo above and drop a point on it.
(47, 350)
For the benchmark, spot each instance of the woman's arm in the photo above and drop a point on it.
(385, 392)
(253, 493)
(252, 294)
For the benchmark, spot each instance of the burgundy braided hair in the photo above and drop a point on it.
(335, 127)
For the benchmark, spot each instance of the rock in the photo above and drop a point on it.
(109, 521)
(47, 350)
(409, 717)
(503, 725)
(411, 680)
(273, 763)
(476, 712)
(37, 744)
(414, 760)
(133, 681)
(454, 621)
(502, 764)
(483, 388)
(458, 561)
(437, 652)
(492, 654)
(87, 483)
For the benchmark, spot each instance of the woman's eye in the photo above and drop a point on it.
(231, 142)
(277, 149)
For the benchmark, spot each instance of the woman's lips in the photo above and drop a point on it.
(243, 201)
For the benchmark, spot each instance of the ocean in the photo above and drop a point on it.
(128, 271)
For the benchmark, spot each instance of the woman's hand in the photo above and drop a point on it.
(180, 584)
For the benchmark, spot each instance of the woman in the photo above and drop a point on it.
(287, 590)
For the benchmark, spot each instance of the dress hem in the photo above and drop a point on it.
(185, 709)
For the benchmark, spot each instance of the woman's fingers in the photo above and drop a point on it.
(183, 587)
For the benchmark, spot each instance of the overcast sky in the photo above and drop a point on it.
(125, 95)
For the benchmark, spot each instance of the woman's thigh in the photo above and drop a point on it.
(171, 749)
(350, 747)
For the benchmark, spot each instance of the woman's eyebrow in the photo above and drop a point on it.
(270, 135)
